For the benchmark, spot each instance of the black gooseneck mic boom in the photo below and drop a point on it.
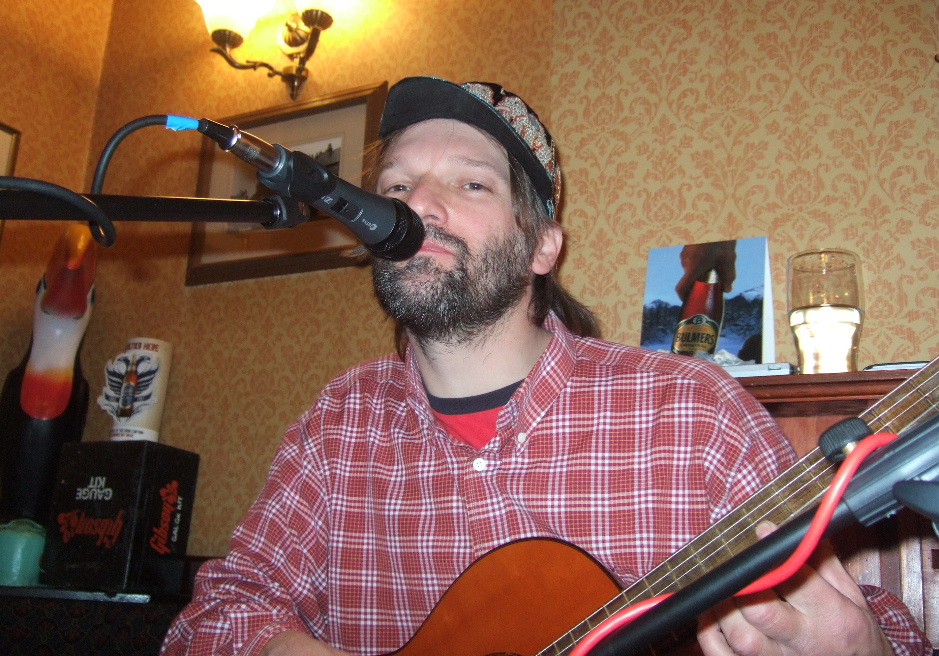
(386, 226)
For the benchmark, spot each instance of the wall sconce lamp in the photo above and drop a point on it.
(230, 21)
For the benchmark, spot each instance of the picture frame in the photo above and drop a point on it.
(9, 142)
(334, 129)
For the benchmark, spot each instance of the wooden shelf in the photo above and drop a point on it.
(823, 394)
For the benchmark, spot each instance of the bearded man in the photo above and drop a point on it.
(503, 418)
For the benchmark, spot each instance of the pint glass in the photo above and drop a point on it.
(823, 294)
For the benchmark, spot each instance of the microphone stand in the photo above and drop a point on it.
(387, 227)
(18, 205)
(904, 473)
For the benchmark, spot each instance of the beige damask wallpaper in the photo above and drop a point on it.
(811, 121)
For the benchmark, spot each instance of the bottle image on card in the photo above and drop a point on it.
(702, 314)
(125, 406)
(135, 385)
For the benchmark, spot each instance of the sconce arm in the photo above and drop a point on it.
(308, 51)
(248, 65)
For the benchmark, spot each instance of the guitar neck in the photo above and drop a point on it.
(791, 492)
(913, 401)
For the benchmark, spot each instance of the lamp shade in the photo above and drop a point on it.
(239, 16)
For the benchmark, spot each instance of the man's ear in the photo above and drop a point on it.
(548, 251)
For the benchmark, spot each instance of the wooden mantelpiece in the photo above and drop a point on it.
(900, 554)
(847, 394)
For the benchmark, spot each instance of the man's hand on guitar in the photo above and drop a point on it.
(294, 643)
(820, 611)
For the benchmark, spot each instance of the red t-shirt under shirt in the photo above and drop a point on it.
(472, 419)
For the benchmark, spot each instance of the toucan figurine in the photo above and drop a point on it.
(44, 400)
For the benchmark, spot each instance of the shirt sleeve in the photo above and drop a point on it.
(268, 583)
(897, 623)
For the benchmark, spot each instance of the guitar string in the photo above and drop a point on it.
(878, 414)
(604, 612)
(821, 518)
(691, 550)
(917, 387)
(620, 598)
(741, 526)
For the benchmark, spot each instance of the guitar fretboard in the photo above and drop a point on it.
(791, 492)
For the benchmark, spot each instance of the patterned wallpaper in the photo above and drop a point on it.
(812, 122)
(51, 68)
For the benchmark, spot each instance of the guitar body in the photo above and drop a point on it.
(516, 599)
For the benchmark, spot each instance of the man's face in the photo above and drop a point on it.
(474, 265)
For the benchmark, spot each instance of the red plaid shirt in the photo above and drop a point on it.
(372, 510)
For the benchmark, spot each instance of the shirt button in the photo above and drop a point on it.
(521, 438)
(480, 464)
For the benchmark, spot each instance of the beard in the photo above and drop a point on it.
(455, 305)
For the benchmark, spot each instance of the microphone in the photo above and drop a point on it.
(387, 227)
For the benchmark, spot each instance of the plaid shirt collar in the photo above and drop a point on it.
(527, 406)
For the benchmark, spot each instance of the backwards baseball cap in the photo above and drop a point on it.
(492, 109)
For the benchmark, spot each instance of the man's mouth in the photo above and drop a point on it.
(429, 247)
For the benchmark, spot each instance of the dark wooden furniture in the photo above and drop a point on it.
(900, 554)
(35, 621)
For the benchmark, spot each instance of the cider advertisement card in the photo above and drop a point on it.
(747, 333)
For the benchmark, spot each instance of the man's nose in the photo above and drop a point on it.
(426, 199)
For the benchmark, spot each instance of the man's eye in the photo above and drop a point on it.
(474, 186)
(395, 189)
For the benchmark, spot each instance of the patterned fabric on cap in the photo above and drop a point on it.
(528, 126)
(489, 107)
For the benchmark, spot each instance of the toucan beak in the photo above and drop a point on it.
(70, 273)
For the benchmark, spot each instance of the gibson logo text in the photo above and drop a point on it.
(74, 522)
(172, 502)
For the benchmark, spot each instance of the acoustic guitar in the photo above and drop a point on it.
(531, 597)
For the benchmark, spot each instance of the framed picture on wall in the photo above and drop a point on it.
(9, 140)
(335, 131)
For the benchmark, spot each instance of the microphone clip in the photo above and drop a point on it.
(297, 175)
(287, 213)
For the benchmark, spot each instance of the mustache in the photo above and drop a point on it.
(437, 234)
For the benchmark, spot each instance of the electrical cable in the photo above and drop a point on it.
(101, 227)
(167, 120)
(797, 559)
(102, 230)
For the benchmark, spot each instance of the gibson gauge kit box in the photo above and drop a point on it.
(121, 515)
